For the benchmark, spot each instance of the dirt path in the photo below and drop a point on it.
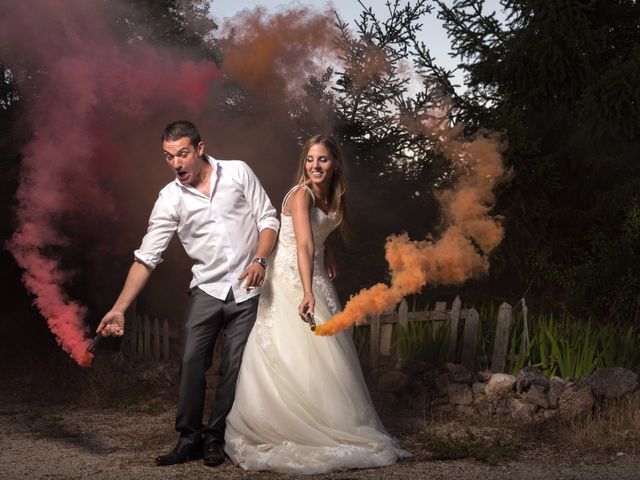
(70, 442)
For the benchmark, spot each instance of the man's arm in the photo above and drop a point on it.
(259, 203)
(266, 222)
(162, 225)
(113, 321)
(255, 273)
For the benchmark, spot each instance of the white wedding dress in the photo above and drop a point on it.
(302, 405)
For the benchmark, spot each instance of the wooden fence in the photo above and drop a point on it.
(464, 322)
(149, 339)
(152, 339)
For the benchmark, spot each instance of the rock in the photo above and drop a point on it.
(612, 382)
(531, 376)
(521, 410)
(484, 376)
(439, 401)
(501, 405)
(500, 385)
(393, 381)
(459, 373)
(441, 410)
(460, 394)
(556, 387)
(385, 398)
(483, 406)
(536, 396)
(478, 388)
(420, 402)
(547, 414)
(442, 384)
(420, 388)
(576, 400)
(429, 378)
(412, 367)
(634, 399)
(465, 409)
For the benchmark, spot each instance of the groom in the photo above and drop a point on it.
(228, 226)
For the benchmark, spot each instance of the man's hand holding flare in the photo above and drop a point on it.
(112, 324)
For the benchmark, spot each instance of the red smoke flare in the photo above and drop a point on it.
(87, 83)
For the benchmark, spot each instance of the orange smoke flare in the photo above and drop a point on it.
(462, 251)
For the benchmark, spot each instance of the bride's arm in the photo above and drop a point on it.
(330, 262)
(300, 204)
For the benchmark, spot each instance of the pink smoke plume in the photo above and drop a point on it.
(85, 83)
(470, 234)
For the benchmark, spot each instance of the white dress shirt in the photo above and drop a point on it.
(219, 232)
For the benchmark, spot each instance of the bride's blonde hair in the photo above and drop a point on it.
(337, 190)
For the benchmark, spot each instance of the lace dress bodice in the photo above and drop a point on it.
(284, 262)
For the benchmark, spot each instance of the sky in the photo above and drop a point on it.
(433, 35)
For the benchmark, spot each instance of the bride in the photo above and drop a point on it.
(301, 403)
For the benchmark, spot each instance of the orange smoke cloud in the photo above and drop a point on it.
(271, 53)
(471, 233)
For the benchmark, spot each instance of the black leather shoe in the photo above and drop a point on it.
(182, 453)
(213, 454)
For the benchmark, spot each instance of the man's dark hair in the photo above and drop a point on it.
(182, 128)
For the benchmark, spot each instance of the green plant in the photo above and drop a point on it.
(422, 340)
(361, 336)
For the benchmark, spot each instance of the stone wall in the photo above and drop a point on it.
(527, 396)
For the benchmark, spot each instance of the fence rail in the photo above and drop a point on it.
(459, 321)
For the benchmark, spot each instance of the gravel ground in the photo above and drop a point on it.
(44, 441)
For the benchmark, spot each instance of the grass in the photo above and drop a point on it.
(50, 376)
(612, 427)
(467, 444)
(427, 341)
(558, 345)
(561, 345)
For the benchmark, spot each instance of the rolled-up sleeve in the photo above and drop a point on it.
(163, 223)
(261, 207)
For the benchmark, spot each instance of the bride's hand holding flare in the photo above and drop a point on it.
(306, 306)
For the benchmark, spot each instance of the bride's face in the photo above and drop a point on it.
(319, 165)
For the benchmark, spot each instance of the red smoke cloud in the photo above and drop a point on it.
(82, 84)
(93, 100)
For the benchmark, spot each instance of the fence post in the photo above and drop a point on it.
(131, 332)
(386, 332)
(374, 340)
(470, 339)
(454, 319)
(403, 320)
(165, 339)
(156, 339)
(525, 330)
(437, 320)
(501, 343)
(140, 340)
(147, 337)
(403, 314)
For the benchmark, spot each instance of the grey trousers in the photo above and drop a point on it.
(204, 318)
